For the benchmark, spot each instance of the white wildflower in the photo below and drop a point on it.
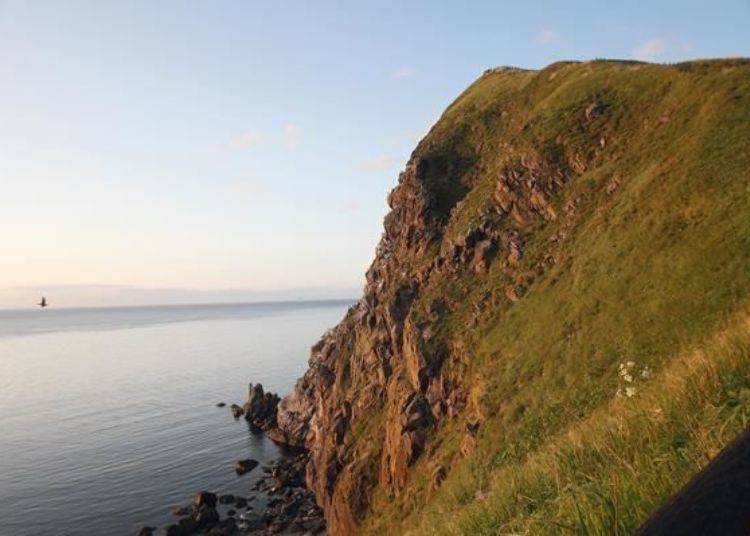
(627, 376)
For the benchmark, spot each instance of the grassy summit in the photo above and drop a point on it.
(610, 359)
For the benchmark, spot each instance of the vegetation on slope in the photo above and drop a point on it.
(647, 261)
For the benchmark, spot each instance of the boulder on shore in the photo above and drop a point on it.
(237, 411)
(260, 408)
(173, 530)
(182, 510)
(204, 498)
(245, 466)
(206, 516)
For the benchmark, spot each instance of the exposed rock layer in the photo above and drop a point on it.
(382, 368)
(472, 197)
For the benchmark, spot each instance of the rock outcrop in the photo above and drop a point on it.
(245, 466)
(260, 408)
(484, 209)
(385, 358)
(382, 371)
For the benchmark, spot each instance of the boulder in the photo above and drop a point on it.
(221, 404)
(206, 516)
(204, 498)
(237, 411)
(245, 466)
(225, 527)
(187, 525)
(182, 510)
(173, 530)
(146, 531)
(260, 408)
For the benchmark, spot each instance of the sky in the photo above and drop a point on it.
(180, 151)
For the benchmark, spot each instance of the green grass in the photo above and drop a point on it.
(604, 474)
(656, 272)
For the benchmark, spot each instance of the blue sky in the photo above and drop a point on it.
(205, 146)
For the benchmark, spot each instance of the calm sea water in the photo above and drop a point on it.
(108, 416)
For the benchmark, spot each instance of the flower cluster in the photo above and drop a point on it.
(628, 375)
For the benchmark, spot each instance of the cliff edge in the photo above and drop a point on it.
(523, 358)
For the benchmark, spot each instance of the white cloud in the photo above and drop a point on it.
(290, 135)
(660, 48)
(247, 188)
(247, 140)
(650, 50)
(545, 36)
(403, 72)
(381, 163)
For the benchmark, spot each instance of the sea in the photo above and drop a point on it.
(109, 417)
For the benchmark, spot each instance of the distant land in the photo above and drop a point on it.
(123, 295)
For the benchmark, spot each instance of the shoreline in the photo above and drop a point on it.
(279, 502)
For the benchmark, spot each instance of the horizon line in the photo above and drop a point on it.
(186, 304)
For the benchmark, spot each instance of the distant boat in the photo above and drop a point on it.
(43, 303)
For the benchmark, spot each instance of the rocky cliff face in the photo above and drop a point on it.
(492, 176)
(381, 369)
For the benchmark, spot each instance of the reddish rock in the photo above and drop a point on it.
(387, 356)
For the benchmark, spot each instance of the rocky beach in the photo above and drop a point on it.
(277, 503)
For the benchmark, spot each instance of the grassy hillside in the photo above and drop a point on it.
(612, 359)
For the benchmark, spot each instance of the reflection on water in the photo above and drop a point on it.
(108, 417)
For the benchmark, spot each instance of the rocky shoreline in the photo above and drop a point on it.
(277, 503)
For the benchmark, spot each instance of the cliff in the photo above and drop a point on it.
(566, 249)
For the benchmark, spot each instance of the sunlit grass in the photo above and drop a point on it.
(656, 272)
(606, 473)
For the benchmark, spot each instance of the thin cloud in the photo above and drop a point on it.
(658, 48)
(247, 188)
(290, 135)
(403, 72)
(381, 163)
(247, 140)
(650, 50)
(546, 36)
